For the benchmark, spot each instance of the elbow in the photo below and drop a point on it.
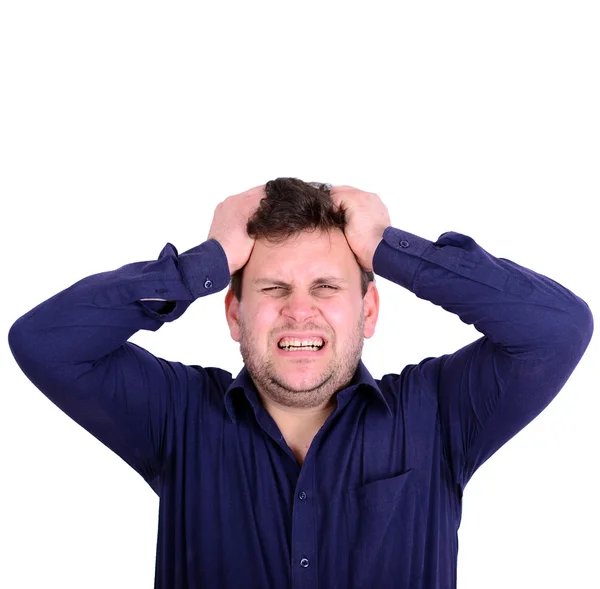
(585, 325)
(27, 345)
(19, 341)
(576, 332)
(29, 349)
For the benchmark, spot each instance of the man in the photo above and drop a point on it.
(305, 471)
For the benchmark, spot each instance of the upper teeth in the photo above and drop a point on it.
(287, 342)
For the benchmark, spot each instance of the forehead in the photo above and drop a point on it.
(303, 256)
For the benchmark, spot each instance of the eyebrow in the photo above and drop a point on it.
(319, 280)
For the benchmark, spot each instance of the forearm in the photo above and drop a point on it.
(98, 314)
(513, 306)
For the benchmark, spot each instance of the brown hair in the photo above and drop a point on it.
(290, 207)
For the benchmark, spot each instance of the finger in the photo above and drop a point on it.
(253, 191)
(257, 190)
(337, 198)
(342, 188)
(251, 198)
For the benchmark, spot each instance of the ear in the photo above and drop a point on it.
(371, 309)
(232, 311)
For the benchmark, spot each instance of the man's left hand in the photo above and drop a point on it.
(366, 220)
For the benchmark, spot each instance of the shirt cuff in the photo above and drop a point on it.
(205, 268)
(399, 255)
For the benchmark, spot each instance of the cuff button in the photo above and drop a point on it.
(208, 283)
(404, 243)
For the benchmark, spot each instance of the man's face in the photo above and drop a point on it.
(303, 291)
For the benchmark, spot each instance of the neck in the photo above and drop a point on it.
(296, 418)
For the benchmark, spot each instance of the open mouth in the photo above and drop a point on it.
(313, 344)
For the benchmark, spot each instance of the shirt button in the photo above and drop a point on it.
(208, 283)
(404, 243)
(304, 562)
(302, 496)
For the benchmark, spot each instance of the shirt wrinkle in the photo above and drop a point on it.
(377, 502)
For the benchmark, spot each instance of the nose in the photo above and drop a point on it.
(299, 306)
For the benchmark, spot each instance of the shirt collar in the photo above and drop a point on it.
(362, 379)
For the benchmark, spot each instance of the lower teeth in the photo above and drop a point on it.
(311, 348)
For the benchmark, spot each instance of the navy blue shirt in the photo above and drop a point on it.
(377, 501)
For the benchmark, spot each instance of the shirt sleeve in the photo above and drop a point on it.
(73, 347)
(534, 333)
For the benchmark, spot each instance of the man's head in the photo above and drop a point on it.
(302, 282)
(290, 207)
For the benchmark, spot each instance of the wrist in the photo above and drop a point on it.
(366, 260)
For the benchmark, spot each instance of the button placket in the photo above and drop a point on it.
(304, 527)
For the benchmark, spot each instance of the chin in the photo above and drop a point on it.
(301, 383)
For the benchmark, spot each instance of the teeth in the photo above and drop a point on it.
(315, 343)
(301, 347)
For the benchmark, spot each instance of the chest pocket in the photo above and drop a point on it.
(380, 521)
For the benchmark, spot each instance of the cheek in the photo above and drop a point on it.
(342, 317)
(260, 319)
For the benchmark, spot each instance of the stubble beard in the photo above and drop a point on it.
(334, 377)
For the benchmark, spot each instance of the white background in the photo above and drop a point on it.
(123, 124)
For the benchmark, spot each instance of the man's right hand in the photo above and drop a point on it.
(229, 226)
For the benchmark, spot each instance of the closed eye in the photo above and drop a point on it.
(320, 286)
